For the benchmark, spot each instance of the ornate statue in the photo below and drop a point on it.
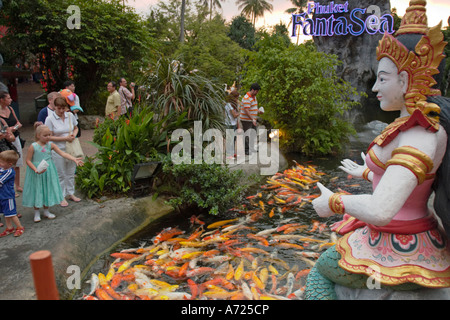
(390, 235)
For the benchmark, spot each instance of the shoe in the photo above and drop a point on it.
(19, 232)
(64, 203)
(6, 232)
(37, 218)
(50, 215)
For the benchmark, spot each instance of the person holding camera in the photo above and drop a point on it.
(126, 97)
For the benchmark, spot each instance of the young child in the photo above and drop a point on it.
(8, 160)
(42, 189)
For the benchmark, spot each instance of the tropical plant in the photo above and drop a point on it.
(133, 141)
(210, 187)
(176, 89)
(299, 5)
(254, 8)
(301, 95)
(211, 4)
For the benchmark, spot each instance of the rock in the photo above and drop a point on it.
(358, 53)
(88, 122)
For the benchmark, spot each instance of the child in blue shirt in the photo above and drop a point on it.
(8, 207)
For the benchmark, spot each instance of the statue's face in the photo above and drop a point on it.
(390, 86)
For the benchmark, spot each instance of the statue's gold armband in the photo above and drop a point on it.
(365, 174)
(336, 204)
(413, 159)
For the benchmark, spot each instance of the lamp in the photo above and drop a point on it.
(142, 177)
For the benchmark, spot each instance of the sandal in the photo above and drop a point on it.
(74, 199)
(6, 232)
(19, 232)
(64, 203)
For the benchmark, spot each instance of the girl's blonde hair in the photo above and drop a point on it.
(38, 131)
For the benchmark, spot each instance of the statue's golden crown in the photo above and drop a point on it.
(420, 65)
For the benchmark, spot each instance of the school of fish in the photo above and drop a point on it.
(229, 259)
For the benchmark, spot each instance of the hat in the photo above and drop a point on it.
(69, 96)
(76, 108)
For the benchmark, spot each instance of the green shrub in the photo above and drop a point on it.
(212, 187)
(301, 95)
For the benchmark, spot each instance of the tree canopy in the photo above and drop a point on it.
(110, 42)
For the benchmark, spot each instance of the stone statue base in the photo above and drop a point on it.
(344, 293)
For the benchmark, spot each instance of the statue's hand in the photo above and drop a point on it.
(353, 168)
(320, 204)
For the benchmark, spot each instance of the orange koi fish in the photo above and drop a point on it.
(199, 271)
(167, 234)
(288, 245)
(124, 256)
(220, 223)
(230, 272)
(315, 226)
(102, 294)
(195, 220)
(302, 273)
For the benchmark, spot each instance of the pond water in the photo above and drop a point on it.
(272, 242)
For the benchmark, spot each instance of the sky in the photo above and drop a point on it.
(437, 10)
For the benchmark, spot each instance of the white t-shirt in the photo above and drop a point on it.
(60, 128)
(230, 120)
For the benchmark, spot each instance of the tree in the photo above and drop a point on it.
(111, 42)
(183, 9)
(211, 4)
(254, 8)
(299, 5)
(209, 50)
(301, 95)
(242, 32)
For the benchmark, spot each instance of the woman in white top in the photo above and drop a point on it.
(61, 123)
(231, 119)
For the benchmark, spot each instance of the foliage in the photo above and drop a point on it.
(209, 49)
(301, 95)
(207, 186)
(254, 8)
(135, 140)
(175, 88)
(242, 32)
(111, 41)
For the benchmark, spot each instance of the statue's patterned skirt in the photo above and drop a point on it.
(393, 259)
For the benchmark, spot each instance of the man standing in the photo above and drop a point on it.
(45, 112)
(126, 97)
(113, 103)
(249, 112)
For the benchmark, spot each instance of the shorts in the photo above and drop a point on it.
(8, 207)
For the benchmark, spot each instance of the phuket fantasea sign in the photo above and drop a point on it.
(348, 22)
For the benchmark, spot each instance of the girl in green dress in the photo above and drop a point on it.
(42, 188)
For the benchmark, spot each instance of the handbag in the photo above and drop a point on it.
(74, 148)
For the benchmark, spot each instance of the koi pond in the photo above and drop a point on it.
(262, 249)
